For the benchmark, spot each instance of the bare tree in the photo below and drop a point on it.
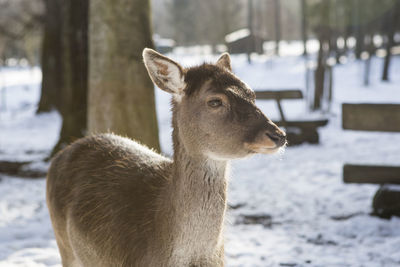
(121, 95)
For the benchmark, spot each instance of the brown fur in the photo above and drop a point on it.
(113, 202)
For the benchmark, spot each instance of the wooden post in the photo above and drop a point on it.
(278, 102)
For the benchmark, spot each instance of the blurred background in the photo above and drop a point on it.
(327, 71)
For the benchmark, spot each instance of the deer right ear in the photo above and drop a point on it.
(164, 72)
(224, 61)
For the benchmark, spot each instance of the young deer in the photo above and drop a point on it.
(114, 202)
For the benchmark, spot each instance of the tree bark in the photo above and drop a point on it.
(75, 71)
(51, 56)
(121, 95)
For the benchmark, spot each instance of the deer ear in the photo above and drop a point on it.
(164, 72)
(224, 61)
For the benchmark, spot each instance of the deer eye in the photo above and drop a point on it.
(214, 103)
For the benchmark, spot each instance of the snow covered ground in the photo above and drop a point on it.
(291, 209)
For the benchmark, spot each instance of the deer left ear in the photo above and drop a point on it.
(224, 61)
(164, 72)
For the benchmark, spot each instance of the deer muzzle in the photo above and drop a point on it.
(267, 140)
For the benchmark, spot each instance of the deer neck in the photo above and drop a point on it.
(196, 201)
(198, 181)
(199, 178)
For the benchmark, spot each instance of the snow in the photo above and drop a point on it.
(306, 215)
(24, 136)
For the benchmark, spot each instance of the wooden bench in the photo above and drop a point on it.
(298, 131)
(374, 117)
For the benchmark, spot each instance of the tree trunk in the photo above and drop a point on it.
(390, 40)
(338, 32)
(324, 36)
(319, 76)
(250, 45)
(75, 71)
(304, 25)
(349, 22)
(121, 95)
(277, 25)
(360, 34)
(370, 49)
(51, 57)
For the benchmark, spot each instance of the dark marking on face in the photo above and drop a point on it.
(220, 80)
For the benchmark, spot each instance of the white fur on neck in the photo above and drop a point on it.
(177, 97)
(201, 216)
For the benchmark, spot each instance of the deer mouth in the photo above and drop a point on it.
(262, 148)
(266, 143)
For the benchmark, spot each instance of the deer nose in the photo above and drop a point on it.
(279, 138)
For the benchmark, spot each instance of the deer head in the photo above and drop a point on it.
(214, 111)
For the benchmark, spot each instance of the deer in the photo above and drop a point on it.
(115, 202)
